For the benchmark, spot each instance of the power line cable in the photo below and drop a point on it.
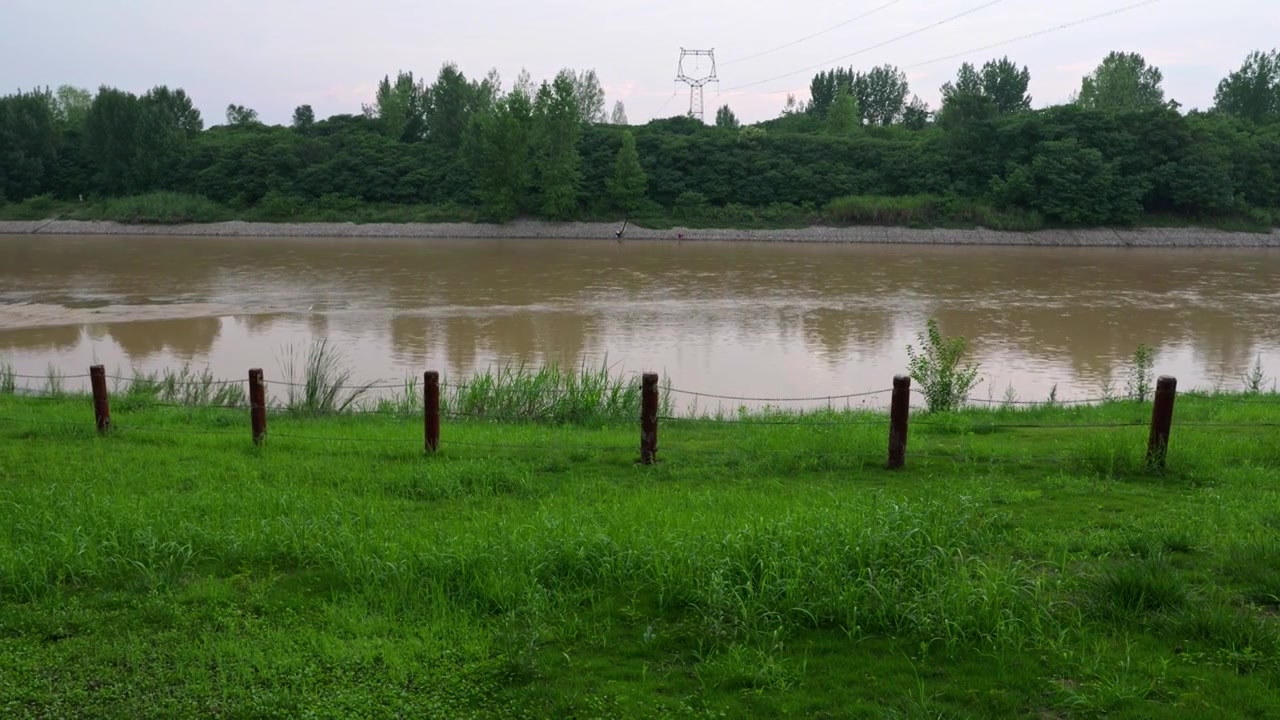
(864, 15)
(1038, 33)
(869, 48)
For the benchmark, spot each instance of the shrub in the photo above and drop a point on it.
(937, 370)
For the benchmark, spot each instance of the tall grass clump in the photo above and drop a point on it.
(8, 378)
(163, 208)
(549, 392)
(320, 382)
(186, 387)
(1255, 381)
(936, 368)
(1137, 587)
(884, 210)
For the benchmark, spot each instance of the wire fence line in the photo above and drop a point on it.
(415, 384)
(553, 403)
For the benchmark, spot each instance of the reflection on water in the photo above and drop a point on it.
(731, 318)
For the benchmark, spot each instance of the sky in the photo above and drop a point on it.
(273, 55)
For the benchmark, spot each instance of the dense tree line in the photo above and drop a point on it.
(1117, 150)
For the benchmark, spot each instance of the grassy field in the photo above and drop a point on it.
(1024, 564)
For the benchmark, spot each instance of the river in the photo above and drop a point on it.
(756, 319)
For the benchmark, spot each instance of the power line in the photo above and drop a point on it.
(1038, 33)
(866, 14)
(890, 41)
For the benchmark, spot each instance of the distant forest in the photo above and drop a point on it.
(861, 149)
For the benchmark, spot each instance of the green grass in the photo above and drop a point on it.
(172, 569)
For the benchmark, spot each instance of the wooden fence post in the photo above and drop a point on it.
(899, 413)
(258, 405)
(101, 406)
(649, 419)
(1161, 421)
(431, 409)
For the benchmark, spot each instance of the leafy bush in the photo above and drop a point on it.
(936, 369)
(1141, 382)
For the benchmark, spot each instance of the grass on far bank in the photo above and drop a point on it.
(171, 569)
(916, 211)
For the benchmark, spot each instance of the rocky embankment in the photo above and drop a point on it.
(528, 229)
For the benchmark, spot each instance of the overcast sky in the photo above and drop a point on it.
(273, 55)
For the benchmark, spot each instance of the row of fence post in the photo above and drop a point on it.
(899, 414)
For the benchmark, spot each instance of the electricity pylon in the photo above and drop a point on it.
(698, 80)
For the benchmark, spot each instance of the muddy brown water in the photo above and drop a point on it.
(752, 319)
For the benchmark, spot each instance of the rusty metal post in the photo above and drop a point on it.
(1161, 421)
(101, 406)
(899, 415)
(431, 409)
(258, 405)
(649, 419)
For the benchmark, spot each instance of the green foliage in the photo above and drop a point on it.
(8, 378)
(497, 150)
(628, 184)
(936, 368)
(1071, 185)
(916, 115)
(321, 381)
(163, 208)
(726, 119)
(882, 94)
(556, 130)
(460, 148)
(1140, 382)
(1255, 380)
(1123, 81)
(1253, 91)
(304, 118)
(241, 116)
(1001, 82)
(844, 116)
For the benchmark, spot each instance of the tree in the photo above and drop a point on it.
(1123, 81)
(169, 122)
(791, 107)
(72, 105)
(916, 115)
(401, 108)
(726, 119)
(628, 185)
(451, 101)
(557, 128)
(844, 116)
(28, 144)
(486, 93)
(619, 116)
(112, 130)
(303, 118)
(1000, 81)
(882, 94)
(175, 110)
(524, 84)
(240, 115)
(496, 148)
(1253, 91)
(1006, 84)
(589, 96)
(968, 82)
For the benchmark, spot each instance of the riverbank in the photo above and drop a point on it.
(1188, 237)
(1024, 564)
